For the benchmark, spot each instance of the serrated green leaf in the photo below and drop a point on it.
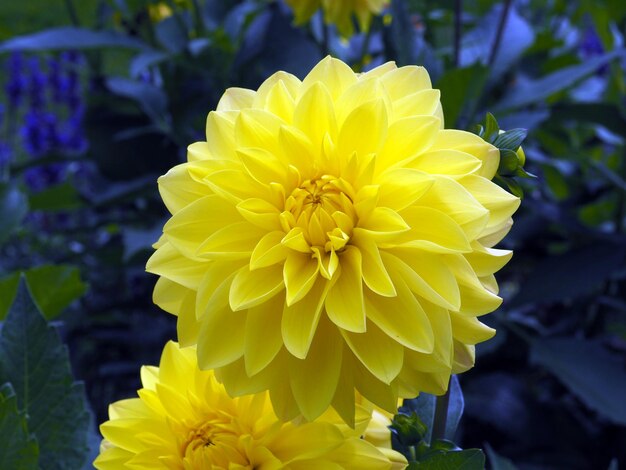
(13, 208)
(589, 370)
(510, 139)
(35, 361)
(8, 289)
(469, 459)
(18, 448)
(53, 287)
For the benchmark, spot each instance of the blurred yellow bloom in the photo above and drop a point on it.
(183, 419)
(339, 12)
(329, 236)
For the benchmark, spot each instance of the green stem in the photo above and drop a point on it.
(71, 10)
(496, 44)
(441, 416)
(458, 11)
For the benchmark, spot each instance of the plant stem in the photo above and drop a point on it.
(71, 10)
(496, 44)
(441, 416)
(458, 11)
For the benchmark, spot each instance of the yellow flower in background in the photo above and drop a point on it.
(331, 236)
(183, 419)
(339, 12)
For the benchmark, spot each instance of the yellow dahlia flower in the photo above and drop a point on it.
(339, 12)
(329, 236)
(183, 419)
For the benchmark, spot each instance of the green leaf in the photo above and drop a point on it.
(8, 289)
(569, 276)
(511, 139)
(497, 461)
(469, 459)
(424, 408)
(18, 448)
(605, 114)
(35, 361)
(13, 208)
(509, 162)
(53, 287)
(409, 428)
(461, 89)
(402, 33)
(151, 99)
(70, 38)
(172, 33)
(59, 197)
(536, 91)
(590, 371)
(492, 129)
(456, 406)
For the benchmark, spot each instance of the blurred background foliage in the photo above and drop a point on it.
(99, 98)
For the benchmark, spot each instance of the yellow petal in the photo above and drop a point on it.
(235, 99)
(446, 162)
(220, 131)
(364, 129)
(178, 189)
(257, 128)
(470, 330)
(168, 262)
(402, 318)
(344, 303)
(404, 81)
(401, 187)
(231, 242)
(250, 288)
(379, 353)
(299, 272)
(375, 273)
(262, 165)
(319, 372)
(315, 115)
(421, 103)
(472, 144)
(450, 197)
(268, 251)
(263, 338)
(335, 74)
(406, 139)
(190, 227)
(260, 212)
(435, 227)
(487, 261)
(440, 290)
(300, 320)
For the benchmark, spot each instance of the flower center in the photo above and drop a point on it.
(210, 446)
(321, 213)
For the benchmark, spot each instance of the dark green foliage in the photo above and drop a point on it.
(546, 393)
(34, 361)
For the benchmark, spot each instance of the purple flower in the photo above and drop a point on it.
(16, 83)
(36, 85)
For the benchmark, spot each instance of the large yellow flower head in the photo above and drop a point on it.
(339, 12)
(183, 419)
(329, 236)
